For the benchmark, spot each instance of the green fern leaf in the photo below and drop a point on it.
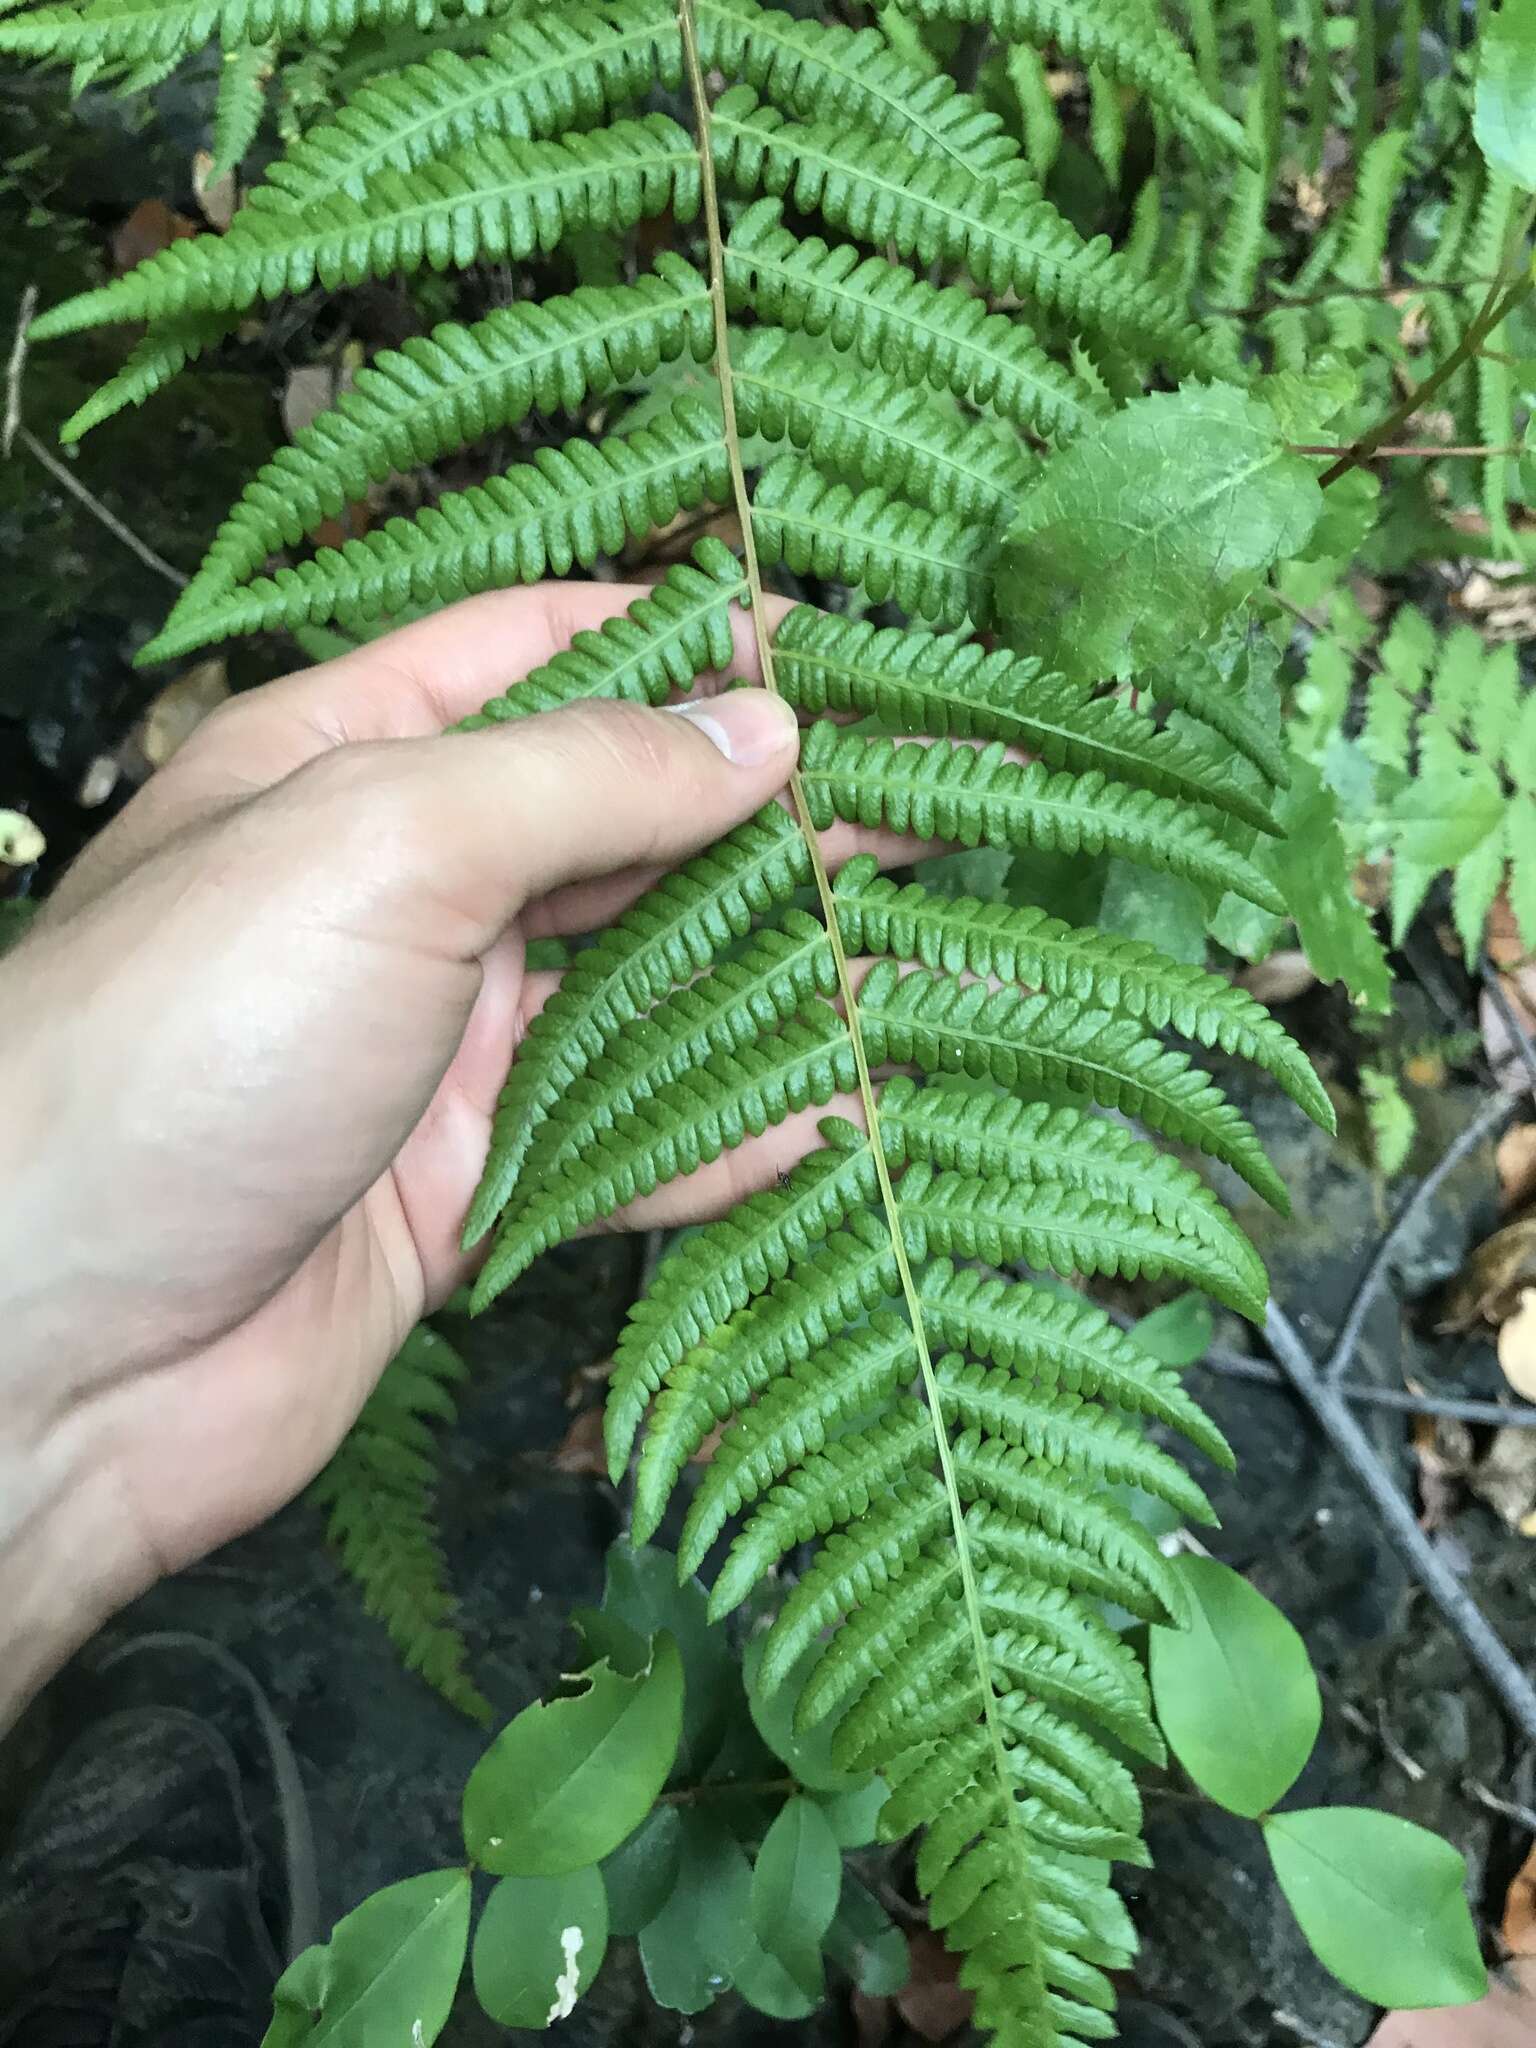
(885, 317)
(412, 406)
(1123, 39)
(241, 104)
(568, 505)
(997, 229)
(929, 683)
(980, 798)
(138, 31)
(493, 199)
(162, 354)
(378, 1493)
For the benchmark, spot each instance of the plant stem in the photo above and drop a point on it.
(1495, 308)
(1462, 1613)
(969, 1591)
(1426, 449)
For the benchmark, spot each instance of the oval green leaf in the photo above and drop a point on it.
(389, 1970)
(540, 1943)
(1382, 1904)
(694, 1946)
(1504, 106)
(854, 1817)
(1235, 1691)
(866, 1941)
(809, 1755)
(796, 1880)
(638, 1877)
(568, 1780)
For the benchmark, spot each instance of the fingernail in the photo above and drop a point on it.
(748, 726)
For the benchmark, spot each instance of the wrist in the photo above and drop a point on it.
(68, 1560)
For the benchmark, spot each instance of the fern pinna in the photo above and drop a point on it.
(903, 331)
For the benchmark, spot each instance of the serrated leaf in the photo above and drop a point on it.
(540, 1943)
(1235, 1691)
(569, 1779)
(1314, 874)
(1382, 1903)
(1504, 102)
(1150, 529)
(390, 1967)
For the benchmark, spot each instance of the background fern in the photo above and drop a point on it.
(379, 1496)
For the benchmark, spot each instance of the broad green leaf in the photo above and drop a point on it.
(1504, 105)
(640, 1587)
(1179, 1333)
(1235, 1692)
(540, 1943)
(795, 1885)
(854, 1816)
(1314, 875)
(809, 1755)
(1382, 1902)
(641, 1872)
(569, 1779)
(1163, 910)
(693, 1948)
(1146, 532)
(1439, 818)
(388, 1972)
(868, 1944)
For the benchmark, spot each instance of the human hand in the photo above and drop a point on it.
(251, 1052)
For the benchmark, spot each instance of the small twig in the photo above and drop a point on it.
(1392, 290)
(1509, 1018)
(1460, 1611)
(60, 473)
(1495, 1113)
(13, 370)
(1426, 449)
(756, 1788)
(1510, 1808)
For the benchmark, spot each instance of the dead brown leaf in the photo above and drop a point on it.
(1489, 1285)
(1517, 1930)
(872, 2020)
(1506, 2018)
(1517, 1346)
(218, 197)
(1501, 935)
(180, 709)
(151, 227)
(931, 2001)
(581, 1451)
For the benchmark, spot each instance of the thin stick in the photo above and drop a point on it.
(1391, 290)
(970, 1593)
(1509, 1018)
(13, 370)
(1494, 1114)
(58, 471)
(1406, 448)
(1461, 1612)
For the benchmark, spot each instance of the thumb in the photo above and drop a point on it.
(492, 819)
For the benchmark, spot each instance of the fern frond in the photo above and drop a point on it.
(977, 797)
(378, 1493)
(932, 565)
(569, 505)
(162, 354)
(1123, 39)
(1126, 977)
(999, 230)
(492, 199)
(888, 319)
(240, 104)
(930, 683)
(138, 31)
(446, 390)
(692, 1120)
(674, 931)
(832, 412)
